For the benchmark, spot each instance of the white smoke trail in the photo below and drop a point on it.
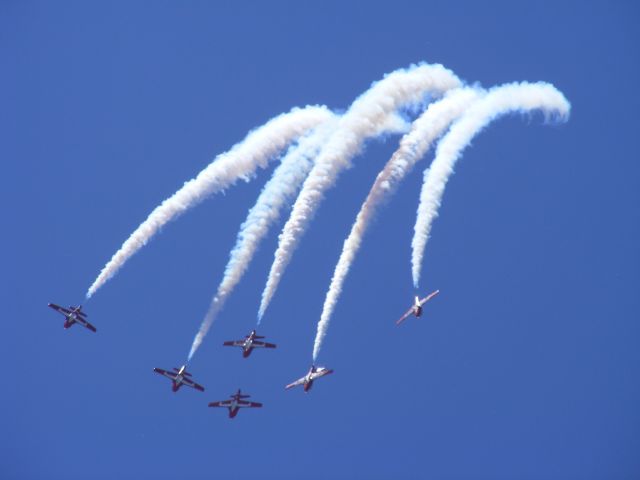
(241, 162)
(284, 183)
(520, 97)
(399, 89)
(413, 146)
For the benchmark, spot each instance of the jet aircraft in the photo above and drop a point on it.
(313, 374)
(73, 315)
(179, 377)
(249, 342)
(416, 309)
(236, 403)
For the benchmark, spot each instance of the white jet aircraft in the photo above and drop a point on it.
(313, 374)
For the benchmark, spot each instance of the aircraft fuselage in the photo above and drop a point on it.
(177, 383)
(247, 348)
(233, 408)
(72, 318)
(308, 382)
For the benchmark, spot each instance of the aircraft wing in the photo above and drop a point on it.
(244, 403)
(320, 373)
(190, 383)
(429, 297)
(170, 375)
(60, 309)
(405, 316)
(86, 324)
(300, 381)
(222, 403)
(263, 344)
(234, 343)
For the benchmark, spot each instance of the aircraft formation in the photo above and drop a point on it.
(426, 103)
(180, 377)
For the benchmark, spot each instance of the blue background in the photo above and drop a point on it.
(525, 366)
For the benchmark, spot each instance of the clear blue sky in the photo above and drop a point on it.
(527, 364)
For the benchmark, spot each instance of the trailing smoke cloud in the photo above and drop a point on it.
(325, 146)
(241, 162)
(399, 89)
(284, 183)
(518, 97)
(413, 146)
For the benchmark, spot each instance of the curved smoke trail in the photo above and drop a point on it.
(284, 183)
(399, 89)
(260, 146)
(413, 146)
(514, 97)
